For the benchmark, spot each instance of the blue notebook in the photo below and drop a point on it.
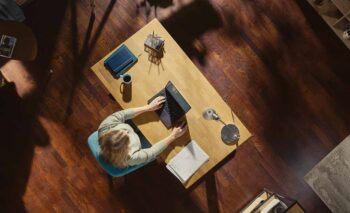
(120, 61)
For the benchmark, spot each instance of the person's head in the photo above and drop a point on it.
(114, 147)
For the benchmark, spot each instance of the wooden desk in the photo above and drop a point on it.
(148, 79)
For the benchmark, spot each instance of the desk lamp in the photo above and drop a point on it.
(229, 133)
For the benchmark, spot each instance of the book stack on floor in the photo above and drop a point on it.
(270, 202)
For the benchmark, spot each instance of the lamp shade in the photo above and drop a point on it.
(210, 114)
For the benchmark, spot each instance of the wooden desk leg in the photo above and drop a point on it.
(111, 97)
(212, 194)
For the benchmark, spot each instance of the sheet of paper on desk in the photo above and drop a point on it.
(187, 161)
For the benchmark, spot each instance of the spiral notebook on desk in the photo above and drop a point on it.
(187, 161)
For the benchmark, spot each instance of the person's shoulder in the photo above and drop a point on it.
(137, 157)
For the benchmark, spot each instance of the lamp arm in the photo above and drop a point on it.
(221, 122)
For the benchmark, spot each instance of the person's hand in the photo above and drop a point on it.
(156, 103)
(178, 131)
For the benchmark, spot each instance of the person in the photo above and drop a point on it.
(121, 146)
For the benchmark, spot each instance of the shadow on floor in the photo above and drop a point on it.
(18, 140)
(154, 185)
(155, 188)
(20, 129)
(294, 89)
(275, 92)
(46, 31)
(338, 60)
(188, 24)
(148, 4)
(81, 55)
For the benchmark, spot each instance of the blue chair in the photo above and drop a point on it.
(111, 170)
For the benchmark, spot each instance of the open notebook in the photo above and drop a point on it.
(187, 161)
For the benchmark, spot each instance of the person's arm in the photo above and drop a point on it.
(154, 105)
(126, 114)
(139, 110)
(147, 155)
(118, 117)
(123, 115)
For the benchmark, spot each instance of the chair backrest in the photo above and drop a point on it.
(111, 170)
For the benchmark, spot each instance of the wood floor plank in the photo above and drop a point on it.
(276, 64)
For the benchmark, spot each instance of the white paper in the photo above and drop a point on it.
(187, 161)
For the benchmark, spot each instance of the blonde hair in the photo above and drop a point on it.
(114, 148)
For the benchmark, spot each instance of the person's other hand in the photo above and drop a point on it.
(180, 130)
(156, 103)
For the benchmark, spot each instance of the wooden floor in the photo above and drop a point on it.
(279, 67)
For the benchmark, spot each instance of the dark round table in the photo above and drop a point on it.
(26, 45)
